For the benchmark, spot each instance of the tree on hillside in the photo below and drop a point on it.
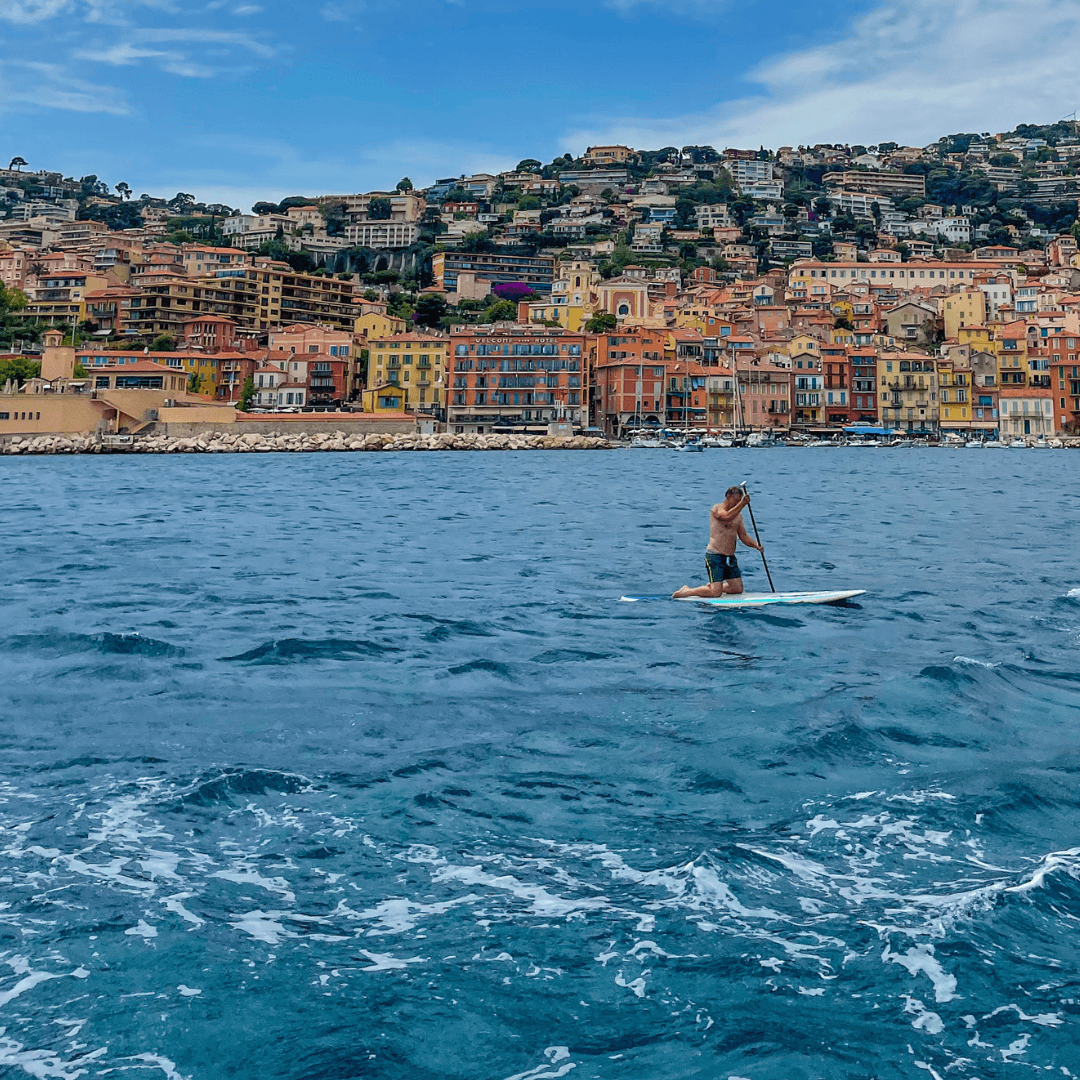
(17, 163)
(501, 311)
(262, 208)
(181, 202)
(529, 165)
(404, 185)
(430, 310)
(476, 241)
(18, 369)
(379, 210)
(601, 323)
(123, 190)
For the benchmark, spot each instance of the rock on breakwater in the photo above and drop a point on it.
(230, 443)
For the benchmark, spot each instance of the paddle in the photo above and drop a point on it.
(757, 536)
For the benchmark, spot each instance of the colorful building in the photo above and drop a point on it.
(907, 386)
(515, 378)
(410, 367)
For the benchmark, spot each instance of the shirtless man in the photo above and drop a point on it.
(725, 527)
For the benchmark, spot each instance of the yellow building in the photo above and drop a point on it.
(706, 319)
(387, 398)
(966, 308)
(409, 366)
(907, 383)
(979, 338)
(374, 323)
(807, 381)
(804, 343)
(1010, 348)
(608, 155)
(954, 395)
(573, 300)
(60, 296)
(202, 370)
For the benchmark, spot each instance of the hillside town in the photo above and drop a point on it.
(932, 292)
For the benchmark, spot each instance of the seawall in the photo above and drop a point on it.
(233, 442)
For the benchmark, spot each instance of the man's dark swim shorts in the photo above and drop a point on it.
(721, 567)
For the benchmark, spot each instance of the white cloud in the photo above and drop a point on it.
(905, 71)
(99, 11)
(341, 10)
(283, 169)
(205, 37)
(32, 11)
(124, 54)
(51, 86)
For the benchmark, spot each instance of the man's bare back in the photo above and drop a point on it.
(726, 528)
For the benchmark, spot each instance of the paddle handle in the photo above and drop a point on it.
(757, 536)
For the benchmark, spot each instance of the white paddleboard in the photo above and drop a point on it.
(754, 600)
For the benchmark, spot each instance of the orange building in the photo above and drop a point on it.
(1066, 384)
(516, 378)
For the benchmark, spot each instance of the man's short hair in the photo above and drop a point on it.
(733, 491)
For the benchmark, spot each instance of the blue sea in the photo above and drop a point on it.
(355, 765)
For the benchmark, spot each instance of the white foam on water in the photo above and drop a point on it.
(1043, 1019)
(163, 1063)
(543, 902)
(637, 986)
(28, 982)
(175, 904)
(398, 914)
(262, 925)
(544, 1072)
(920, 959)
(385, 962)
(1073, 594)
(188, 991)
(45, 1064)
(976, 663)
(1056, 860)
(1017, 1048)
(247, 876)
(925, 1020)
(142, 929)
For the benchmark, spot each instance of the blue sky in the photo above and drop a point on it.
(235, 100)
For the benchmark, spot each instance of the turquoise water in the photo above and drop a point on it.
(354, 766)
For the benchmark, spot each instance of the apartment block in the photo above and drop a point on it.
(515, 378)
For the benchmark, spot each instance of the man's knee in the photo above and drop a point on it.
(734, 585)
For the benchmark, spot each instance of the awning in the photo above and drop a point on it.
(861, 429)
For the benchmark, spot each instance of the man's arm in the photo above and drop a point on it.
(721, 513)
(746, 538)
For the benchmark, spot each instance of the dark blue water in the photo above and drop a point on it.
(354, 766)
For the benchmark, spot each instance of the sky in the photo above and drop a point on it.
(240, 100)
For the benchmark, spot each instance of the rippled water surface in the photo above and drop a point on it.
(355, 766)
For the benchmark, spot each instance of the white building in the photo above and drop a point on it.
(765, 190)
(954, 230)
(998, 295)
(859, 205)
(382, 234)
(745, 172)
(715, 216)
(1018, 417)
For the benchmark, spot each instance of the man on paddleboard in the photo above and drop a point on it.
(725, 528)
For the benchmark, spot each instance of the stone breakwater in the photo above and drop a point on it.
(229, 443)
